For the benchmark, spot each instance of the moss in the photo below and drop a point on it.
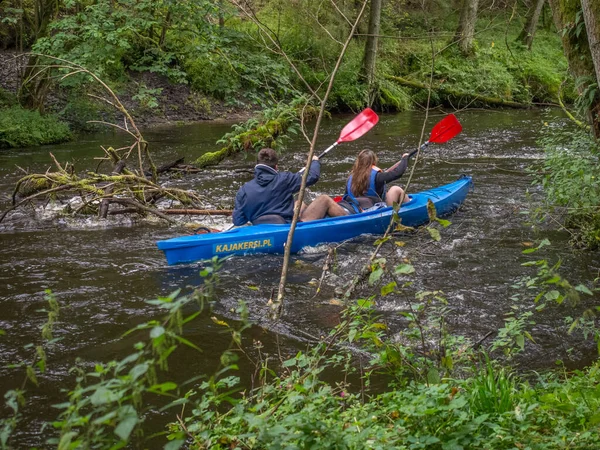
(22, 128)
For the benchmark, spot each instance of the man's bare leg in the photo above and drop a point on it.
(322, 206)
(302, 207)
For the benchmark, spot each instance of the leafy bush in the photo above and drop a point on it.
(571, 180)
(79, 110)
(7, 99)
(22, 128)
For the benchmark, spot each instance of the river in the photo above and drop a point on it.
(101, 272)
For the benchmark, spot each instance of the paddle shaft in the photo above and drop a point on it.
(423, 147)
(331, 147)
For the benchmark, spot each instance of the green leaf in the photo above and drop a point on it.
(157, 332)
(365, 303)
(102, 396)
(520, 340)
(388, 288)
(404, 269)
(435, 234)
(164, 387)
(375, 276)
(174, 445)
(188, 343)
(382, 240)
(31, 375)
(65, 441)
(433, 376)
(127, 424)
(290, 362)
(443, 222)
(352, 334)
(139, 370)
(584, 289)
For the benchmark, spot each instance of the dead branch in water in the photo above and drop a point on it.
(198, 212)
(133, 179)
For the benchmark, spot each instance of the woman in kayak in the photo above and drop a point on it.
(367, 183)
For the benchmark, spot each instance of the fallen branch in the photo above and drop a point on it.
(140, 207)
(198, 212)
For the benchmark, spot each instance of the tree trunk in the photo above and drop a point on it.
(33, 91)
(370, 58)
(531, 21)
(577, 49)
(591, 16)
(466, 26)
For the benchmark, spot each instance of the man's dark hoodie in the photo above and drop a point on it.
(270, 192)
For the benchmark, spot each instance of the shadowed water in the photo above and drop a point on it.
(101, 272)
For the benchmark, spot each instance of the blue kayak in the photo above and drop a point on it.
(272, 238)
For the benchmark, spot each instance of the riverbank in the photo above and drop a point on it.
(232, 85)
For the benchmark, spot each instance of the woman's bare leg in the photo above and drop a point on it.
(394, 195)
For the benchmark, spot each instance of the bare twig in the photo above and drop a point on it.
(278, 304)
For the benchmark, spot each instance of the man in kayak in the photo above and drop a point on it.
(367, 184)
(269, 197)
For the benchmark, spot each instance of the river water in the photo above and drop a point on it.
(101, 272)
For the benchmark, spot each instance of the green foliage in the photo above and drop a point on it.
(22, 128)
(79, 110)
(200, 103)
(439, 395)
(147, 97)
(492, 390)
(571, 180)
(499, 69)
(220, 54)
(107, 37)
(271, 130)
(108, 405)
(7, 99)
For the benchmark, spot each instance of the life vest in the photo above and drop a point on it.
(370, 192)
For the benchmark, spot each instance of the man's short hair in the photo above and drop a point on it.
(268, 157)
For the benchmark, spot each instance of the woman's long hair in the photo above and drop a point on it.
(361, 172)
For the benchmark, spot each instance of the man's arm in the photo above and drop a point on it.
(238, 216)
(295, 179)
(314, 172)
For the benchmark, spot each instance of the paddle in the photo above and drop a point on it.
(354, 129)
(357, 127)
(442, 132)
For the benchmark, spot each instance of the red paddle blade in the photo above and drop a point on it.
(359, 126)
(445, 129)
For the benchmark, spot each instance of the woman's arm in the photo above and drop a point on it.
(394, 172)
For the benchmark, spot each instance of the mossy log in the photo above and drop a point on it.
(263, 135)
(214, 158)
(454, 95)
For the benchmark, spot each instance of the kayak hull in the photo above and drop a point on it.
(272, 238)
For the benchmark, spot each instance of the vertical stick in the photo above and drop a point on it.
(277, 306)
